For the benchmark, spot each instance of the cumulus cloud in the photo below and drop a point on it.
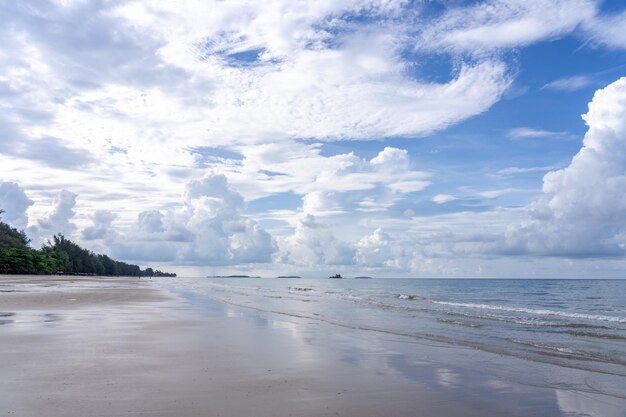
(322, 236)
(581, 212)
(58, 219)
(15, 203)
(102, 225)
(206, 229)
(346, 190)
(378, 250)
(392, 159)
(211, 212)
(150, 221)
(314, 239)
(313, 243)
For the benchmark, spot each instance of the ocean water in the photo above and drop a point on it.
(578, 324)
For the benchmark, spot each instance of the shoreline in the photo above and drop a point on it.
(128, 346)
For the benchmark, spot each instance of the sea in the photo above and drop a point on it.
(579, 324)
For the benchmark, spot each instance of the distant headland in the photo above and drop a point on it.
(60, 257)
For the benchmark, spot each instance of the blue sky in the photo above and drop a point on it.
(384, 138)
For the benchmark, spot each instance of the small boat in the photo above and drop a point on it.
(336, 276)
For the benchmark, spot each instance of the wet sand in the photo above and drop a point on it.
(49, 293)
(117, 347)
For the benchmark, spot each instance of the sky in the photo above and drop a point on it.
(386, 138)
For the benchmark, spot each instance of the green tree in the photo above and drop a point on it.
(59, 255)
(11, 237)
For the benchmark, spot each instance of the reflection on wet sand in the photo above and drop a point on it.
(570, 403)
(487, 389)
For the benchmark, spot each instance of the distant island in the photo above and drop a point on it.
(61, 257)
(363, 278)
(336, 276)
(288, 276)
(231, 276)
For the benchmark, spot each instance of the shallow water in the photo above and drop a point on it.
(571, 323)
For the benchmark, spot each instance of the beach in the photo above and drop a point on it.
(127, 346)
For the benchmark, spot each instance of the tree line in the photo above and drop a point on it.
(60, 256)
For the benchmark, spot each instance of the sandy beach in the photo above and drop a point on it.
(117, 346)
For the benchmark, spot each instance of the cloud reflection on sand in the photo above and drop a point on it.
(571, 403)
(419, 363)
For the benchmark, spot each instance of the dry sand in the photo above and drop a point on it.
(118, 347)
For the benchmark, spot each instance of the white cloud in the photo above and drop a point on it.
(568, 84)
(496, 193)
(313, 240)
(492, 25)
(102, 225)
(59, 218)
(443, 198)
(150, 222)
(527, 132)
(313, 243)
(121, 96)
(342, 190)
(582, 208)
(392, 159)
(608, 30)
(14, 202)
(321, 203)
(178, 84)
(524, 170)
(124, 103)
(377, 250)
(207, 229)
(295, 167)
